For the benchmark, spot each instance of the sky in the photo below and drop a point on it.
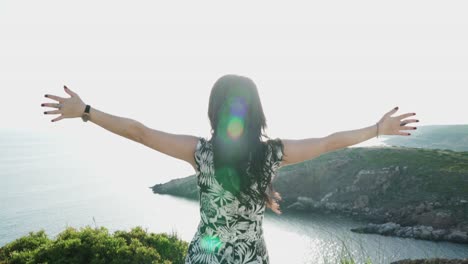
(320, 66)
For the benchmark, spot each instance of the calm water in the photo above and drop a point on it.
(49, 183)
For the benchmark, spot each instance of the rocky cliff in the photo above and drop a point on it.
(408, 187)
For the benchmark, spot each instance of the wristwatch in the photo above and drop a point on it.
(85, 115)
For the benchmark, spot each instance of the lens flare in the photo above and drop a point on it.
(229, 176)
(210, 243)
(235, 127)
(238, 107)
(232, 119)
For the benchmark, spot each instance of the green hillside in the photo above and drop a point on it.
(405, 185)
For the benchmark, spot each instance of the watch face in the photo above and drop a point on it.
(85, 117)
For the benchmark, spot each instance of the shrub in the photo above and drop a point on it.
(95, 246)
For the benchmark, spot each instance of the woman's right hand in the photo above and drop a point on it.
(71, 107)
(389, 125)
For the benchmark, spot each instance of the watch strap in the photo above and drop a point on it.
(85, 115)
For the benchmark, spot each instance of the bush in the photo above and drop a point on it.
(95, 246)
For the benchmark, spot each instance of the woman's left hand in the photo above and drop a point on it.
(389, 125)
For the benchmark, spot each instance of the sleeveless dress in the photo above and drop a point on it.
(229, 231)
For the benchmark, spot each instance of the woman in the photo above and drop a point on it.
(235, 167)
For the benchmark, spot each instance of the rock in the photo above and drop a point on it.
(297, 206)
(420, 208)
(417, 232)
(352, 188)
(463, 226)
(385, 186)
(388, 228)
(362, 201)
(425, 218)
(331, 206)
(307, 202)
(438, 234)
(429, 207)
(458, 236)
(443, 220)
(326, 197)
(426, 234)
(406, 231)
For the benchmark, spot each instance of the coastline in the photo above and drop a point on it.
(399, 191)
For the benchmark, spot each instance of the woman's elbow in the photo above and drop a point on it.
(136, 132)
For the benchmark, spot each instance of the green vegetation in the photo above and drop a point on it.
(95, 246)
(408, 186)
(422, 175)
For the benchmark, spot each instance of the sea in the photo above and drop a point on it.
(51, 181)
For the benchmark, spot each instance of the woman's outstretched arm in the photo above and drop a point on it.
(296, 151)
(177, 146)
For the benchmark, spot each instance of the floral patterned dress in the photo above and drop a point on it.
(229, 232)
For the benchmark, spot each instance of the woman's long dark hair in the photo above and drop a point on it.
(238, 124)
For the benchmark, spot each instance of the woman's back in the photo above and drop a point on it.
(230, 229)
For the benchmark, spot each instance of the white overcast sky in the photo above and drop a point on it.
(320, 66)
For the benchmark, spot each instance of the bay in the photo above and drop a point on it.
(50, 182)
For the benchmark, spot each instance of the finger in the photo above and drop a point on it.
(68, 91)
(408, 128)
(57, 118)
(403, 133)
(54, 97)
(405, 115)
(391, 112)
(407, 121)
(53, 112)
(50, 105)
